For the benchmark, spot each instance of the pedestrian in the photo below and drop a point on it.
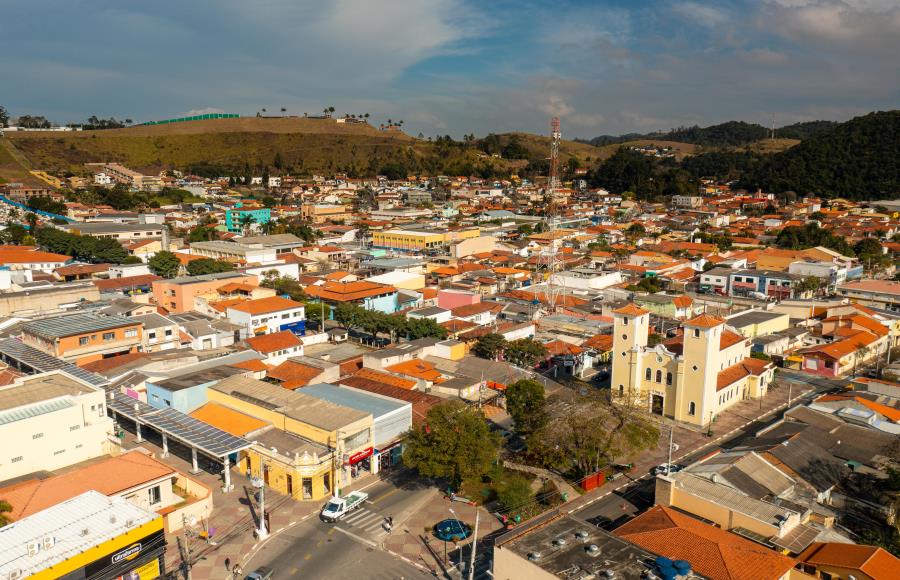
(390, 521)
(228, 563)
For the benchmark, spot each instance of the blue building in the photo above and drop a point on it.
(234, 218)
(186, 392)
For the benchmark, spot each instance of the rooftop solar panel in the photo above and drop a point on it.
(14, 350)
(175, 424)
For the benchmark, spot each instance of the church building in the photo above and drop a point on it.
(689, 378)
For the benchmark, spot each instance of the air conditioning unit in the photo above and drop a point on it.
(15, 574)
(34, 548)
(48, 542)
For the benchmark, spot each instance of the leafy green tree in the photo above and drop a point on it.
(489, 346)
(202, 234)
(348, 315)
(423, 328)
(132, 260)
(104, 251)
(809, 284)
(165, 264)
(526, 405)
(284, 285)
(525, 352)
(4, 117)
(870, 253)
(454, 442)
(208, 266)
(635, 231)
(13, 234)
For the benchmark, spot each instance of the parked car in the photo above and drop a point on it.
(452, 530)
(261, 573)
(666, 468)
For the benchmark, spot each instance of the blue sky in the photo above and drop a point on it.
(456, 66)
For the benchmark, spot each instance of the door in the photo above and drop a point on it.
(307, 488)
(266, 474)
(290, 485)
(656, 405)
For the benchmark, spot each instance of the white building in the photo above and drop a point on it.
(267, 315)
(55, 421)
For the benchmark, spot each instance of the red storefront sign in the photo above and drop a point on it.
(359, 456)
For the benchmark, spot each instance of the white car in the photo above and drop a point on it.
(665, 469)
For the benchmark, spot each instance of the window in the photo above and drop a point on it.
(100, 411)
(151, 335)
(696, 333)
(625, 320)
(59, 452)
(83, 341)
(621, 390)
(648, 374)
(692, 408)
(16, 459)
(108, 336)
(285, 316)
(658, 376)
(130, 332)
(695, 367)
(155, 495)
(168, 333)
(668, 378)
(624, 336)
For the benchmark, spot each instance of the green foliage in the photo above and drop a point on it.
(423, 327)
(760, 355)
(809, 284)
(811, 235)
(208, 266)
(525, 352)
(394, 171)
(805, 130)
(626, 170)
(165, 264)
(13, 234)
(202, 234)
(5, 508)
(526, 405)
(635, 231)
(48, 204)
(854, 160)
(132, 260)
(285, 285)
(121, 198)
(648, 285)
(732, 133)
(82, 248)
(454, 442)
(515, 493)
(489, 346)
(870, 253)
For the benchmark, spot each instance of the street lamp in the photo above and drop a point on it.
(459, 548)
(262, 533)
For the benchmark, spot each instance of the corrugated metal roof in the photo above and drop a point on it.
(52, 328)
(729, 497)
(378, 406)
(66, 530)
(19, 354)
(35, 410)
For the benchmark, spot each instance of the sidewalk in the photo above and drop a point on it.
(414, 542)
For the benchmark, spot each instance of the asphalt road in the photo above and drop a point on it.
(349, 548)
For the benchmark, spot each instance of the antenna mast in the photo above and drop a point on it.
(551, 212)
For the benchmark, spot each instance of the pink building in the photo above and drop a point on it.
(451, 299)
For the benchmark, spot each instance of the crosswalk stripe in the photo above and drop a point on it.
(357, 516)
(368, 519)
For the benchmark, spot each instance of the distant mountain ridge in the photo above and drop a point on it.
(730, 134)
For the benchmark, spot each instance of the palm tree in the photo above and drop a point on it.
(283, 110)
(5, 508)
(366, 115)
(331, 109)
(263, 110)
(247, 220)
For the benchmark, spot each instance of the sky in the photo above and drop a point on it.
(455, 66)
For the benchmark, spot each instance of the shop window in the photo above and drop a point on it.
(692, 408)
(668, 378)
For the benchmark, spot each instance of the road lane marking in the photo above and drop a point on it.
(369, 543)
(381, 497)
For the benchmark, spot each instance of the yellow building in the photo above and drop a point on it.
(753, 323)
(420, 241)
(690, 378)
(313, 442)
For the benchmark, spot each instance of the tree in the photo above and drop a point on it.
(4, 117)
(525, 404)
(285, 286)
(809, 284)
(454, 442)
(208, 266)
(165, 264)
(870, 253)
(489, 346)
(13, 234)
(5, 508)
(584, 433)
(525, 352)
(348, 314)
(247, 220)
(635, 231)
(515, 493)
(422, 328)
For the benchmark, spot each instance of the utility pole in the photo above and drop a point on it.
(474, 545)
(671, 444)
(185, 551)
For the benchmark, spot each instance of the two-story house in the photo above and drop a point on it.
(268, 315)
(84, 338)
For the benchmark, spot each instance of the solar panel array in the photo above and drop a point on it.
(42, 362)
(175, 424)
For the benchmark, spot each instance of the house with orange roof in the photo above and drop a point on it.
(31, 258)
(276, 346)
(843, 561)
(850, 349)
(715, 553)
(702, 371)
(297, 372)
(133, 476)
(369, 295)
(422, 371)
(268, 315)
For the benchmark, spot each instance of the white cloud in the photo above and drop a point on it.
(703, 14)
(203, 111)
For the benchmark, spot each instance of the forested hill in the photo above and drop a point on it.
(730, 134)
(859, 159)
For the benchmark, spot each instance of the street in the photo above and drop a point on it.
(352, 547)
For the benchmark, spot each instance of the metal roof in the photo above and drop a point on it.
(35, 410)
(376, 405)
(19, 355)
(65, 530)
(175, 424)
(75, 324)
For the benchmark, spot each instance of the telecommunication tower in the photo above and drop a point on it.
(551, 215)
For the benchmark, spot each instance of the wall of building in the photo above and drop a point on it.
(25, 303)
(508, 565)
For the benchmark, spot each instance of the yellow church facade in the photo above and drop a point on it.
(690, 378)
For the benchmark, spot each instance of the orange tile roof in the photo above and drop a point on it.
(559, 347)
(417, 368)
(841, 348)
(601, 342)
(254, 365)
(631, 309)
(713, 552)
(29, 255)
(293, 374)
(107, 364)
(473, 309)
(385, 378)
(348, 291)
(682, 301)
(876, 563)
(266, 305)
(227, 419)
(109, 477)
(429, 293)
(730, 338)
(704, 321)
(125, 281)
(235, 287)
(266, 343)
